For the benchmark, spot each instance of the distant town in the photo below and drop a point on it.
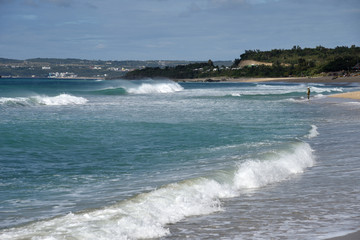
(79, 68)
(294, 62)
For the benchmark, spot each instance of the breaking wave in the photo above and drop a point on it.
(154, 87)
(139, 87)
(62, 99)
(274, 167)
(146, 215)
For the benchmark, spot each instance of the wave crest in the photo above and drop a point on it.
(155, 87)
(62, 99)
(276, 168)
(146, 215)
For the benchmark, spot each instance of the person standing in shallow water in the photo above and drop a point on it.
(308, 92)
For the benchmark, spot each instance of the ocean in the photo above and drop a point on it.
(156, 159)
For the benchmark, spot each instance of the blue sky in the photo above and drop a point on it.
(171, 29)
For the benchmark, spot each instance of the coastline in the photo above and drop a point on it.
(327, 79)
(351, 95)
(349, 236)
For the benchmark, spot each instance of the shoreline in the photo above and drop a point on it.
(324, 80)
(351, 95)
(349, 236)
(327, 79)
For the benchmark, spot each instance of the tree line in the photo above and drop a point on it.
(284, 62)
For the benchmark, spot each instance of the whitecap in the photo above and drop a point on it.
(327, 89)
(62, 99)
(147, 215)
(275, 168)
(155, 87)
(313, 132)
(17, 101)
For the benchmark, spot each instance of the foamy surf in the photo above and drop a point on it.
(326, 90)
(313, 132)
(62, 99)
(154, 87)
(274, 92)
(274, 167)
(147, 215)
(289, 89)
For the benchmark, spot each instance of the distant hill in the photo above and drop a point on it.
(274, 63)
(307, 61)
(193, 70)
(252, 63)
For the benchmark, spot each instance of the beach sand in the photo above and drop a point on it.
(352, 95)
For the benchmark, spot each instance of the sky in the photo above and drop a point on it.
(171, 29)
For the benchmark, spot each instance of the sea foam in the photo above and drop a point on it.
(146, 215)
(277, 90)
(274, 167)
(313, 132)
(155, 87)
(323, 90)
(62, 99)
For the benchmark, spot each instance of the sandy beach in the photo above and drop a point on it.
(352, 95)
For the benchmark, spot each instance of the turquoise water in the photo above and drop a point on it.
(92, 159)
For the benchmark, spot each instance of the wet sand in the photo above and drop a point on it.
(350, 236)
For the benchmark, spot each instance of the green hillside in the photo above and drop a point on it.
(274, 63)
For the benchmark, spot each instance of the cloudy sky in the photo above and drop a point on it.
(171, 29)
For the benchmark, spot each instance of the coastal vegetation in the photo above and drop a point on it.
(275, 63)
